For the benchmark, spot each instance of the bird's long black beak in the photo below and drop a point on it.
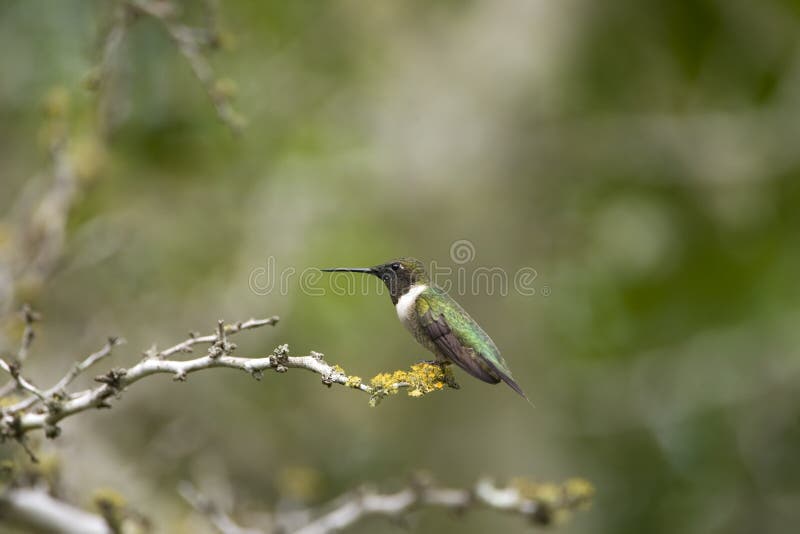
(367, 270)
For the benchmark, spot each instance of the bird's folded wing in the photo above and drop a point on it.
(468, 347)
(446, 341)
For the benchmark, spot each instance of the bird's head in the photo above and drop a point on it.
(399, 275)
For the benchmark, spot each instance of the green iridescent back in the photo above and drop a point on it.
(464, 327)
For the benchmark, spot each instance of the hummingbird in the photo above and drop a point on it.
(438, 322)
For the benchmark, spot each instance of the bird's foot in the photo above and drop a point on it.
(450, 378)
(447, 372)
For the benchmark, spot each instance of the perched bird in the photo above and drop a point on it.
(438, 322)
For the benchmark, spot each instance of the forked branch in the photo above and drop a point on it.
(46, 408)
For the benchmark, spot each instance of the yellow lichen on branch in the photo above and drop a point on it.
(353, 382)
(556, 500)
(421, 379)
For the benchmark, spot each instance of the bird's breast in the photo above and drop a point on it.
(405, 306)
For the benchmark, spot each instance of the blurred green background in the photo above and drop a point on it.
(641, 156)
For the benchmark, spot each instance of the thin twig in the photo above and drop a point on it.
(190, 42)
(21, 381)
(71, 375)
(218, 518)
(90, 360)
(194, 339)
(29, 317)
(103, 77)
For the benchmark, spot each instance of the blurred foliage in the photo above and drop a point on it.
(639, 155)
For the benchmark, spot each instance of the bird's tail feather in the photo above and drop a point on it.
(488, 372)
(505, 377)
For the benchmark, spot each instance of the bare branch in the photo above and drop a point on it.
(190, 43)
(20, 418)
(103, 77)
(59, 389)
(30, 317)
(540, 503)
(48, 227)
(194, 339)
(218, 518)
(14, 370)
(85, 364)
(39, 235)
(36, 510)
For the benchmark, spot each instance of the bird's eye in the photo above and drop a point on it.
(396, 266)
